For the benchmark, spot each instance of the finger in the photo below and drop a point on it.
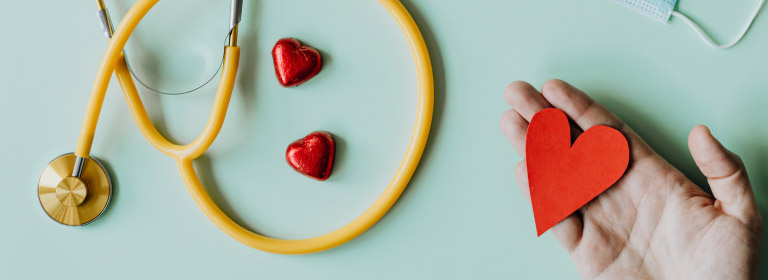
(514, 128)
(586, 113)
(568, 231)
(725, 173)
(525, 99)
(521, 174)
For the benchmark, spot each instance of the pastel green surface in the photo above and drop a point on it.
(462, 216)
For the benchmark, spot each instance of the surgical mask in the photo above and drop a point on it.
(663, 10)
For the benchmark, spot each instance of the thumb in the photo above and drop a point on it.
(726, 175)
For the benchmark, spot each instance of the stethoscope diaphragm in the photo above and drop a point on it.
(74, 200)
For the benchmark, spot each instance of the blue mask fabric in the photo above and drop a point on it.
(660, 10)
(663, 10)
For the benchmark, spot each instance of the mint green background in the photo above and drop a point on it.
(462, 216)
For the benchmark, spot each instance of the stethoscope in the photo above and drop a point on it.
(75, 189)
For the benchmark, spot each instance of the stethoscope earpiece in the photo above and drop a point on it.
(108, 29)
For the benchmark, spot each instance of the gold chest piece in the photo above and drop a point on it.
(72, 200)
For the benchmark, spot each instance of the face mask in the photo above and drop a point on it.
(662, 10)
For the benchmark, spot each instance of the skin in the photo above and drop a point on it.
(654, 222)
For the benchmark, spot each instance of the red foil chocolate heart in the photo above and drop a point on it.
(295, 63)
(312, 155)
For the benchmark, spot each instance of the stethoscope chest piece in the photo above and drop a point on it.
(74, 200)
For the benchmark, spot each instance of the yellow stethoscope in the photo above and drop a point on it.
(74, 189)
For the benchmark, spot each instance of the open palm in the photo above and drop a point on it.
(654, 222)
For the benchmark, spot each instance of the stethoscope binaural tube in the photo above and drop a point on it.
(184, 155)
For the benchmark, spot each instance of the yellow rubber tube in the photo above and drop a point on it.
(92, 112)
(215, 121)
(184, 155)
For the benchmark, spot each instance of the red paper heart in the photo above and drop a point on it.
(295, 63)
(563, 178)
(312, 155)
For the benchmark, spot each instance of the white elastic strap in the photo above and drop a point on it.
(707, 39)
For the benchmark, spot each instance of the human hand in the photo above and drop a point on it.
(654, 222)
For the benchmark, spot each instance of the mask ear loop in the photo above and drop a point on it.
(708, 40)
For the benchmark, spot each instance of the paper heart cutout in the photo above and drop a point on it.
(295, 63)
(312, 155)
(563, 177)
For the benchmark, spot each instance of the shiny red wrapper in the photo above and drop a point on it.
(312, 155)
(295, 63)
